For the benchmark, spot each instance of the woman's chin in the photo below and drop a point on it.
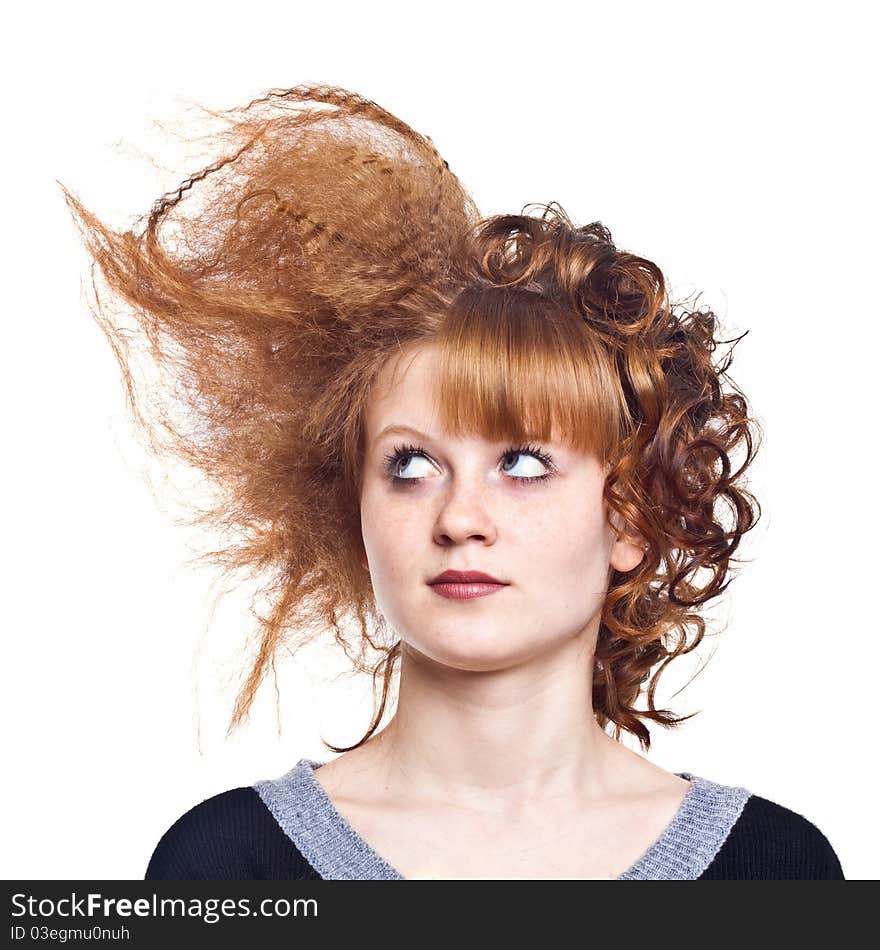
(468, 653)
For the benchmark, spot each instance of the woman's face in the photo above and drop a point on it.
(464, 505)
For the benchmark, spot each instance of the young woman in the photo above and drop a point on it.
(492, 448)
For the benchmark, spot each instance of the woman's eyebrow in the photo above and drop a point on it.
(401, 429)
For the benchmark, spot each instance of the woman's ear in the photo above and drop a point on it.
(626, 553)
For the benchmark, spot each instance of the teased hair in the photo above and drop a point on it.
(320, 244)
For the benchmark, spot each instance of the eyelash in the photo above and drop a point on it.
(404, 451)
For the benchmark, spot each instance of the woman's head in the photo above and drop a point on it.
(327, 276)
(526, 510)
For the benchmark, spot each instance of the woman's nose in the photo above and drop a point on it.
(464, 514)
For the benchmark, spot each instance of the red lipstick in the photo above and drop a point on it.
(463, 585)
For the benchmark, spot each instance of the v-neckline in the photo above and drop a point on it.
(306, 813)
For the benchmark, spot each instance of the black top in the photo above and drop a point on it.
(236, 836)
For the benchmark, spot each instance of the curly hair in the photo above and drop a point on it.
(274, 284)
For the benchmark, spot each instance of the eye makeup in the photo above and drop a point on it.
(405, 452)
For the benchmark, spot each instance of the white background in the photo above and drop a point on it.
(729, 143)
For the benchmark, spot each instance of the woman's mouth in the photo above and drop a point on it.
(464, 591)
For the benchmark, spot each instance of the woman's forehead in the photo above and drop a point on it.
(407, 371)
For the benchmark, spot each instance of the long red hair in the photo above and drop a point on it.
(273, 285)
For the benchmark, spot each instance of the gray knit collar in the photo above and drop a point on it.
(336, 851)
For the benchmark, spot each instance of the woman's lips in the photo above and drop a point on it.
(464, 591)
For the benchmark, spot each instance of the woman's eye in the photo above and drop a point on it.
(532, 469)
(404, 462)
(410, 464)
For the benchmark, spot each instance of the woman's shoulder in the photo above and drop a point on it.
(230, 836)
(770, 841)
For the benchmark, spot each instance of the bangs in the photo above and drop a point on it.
(515, 365)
